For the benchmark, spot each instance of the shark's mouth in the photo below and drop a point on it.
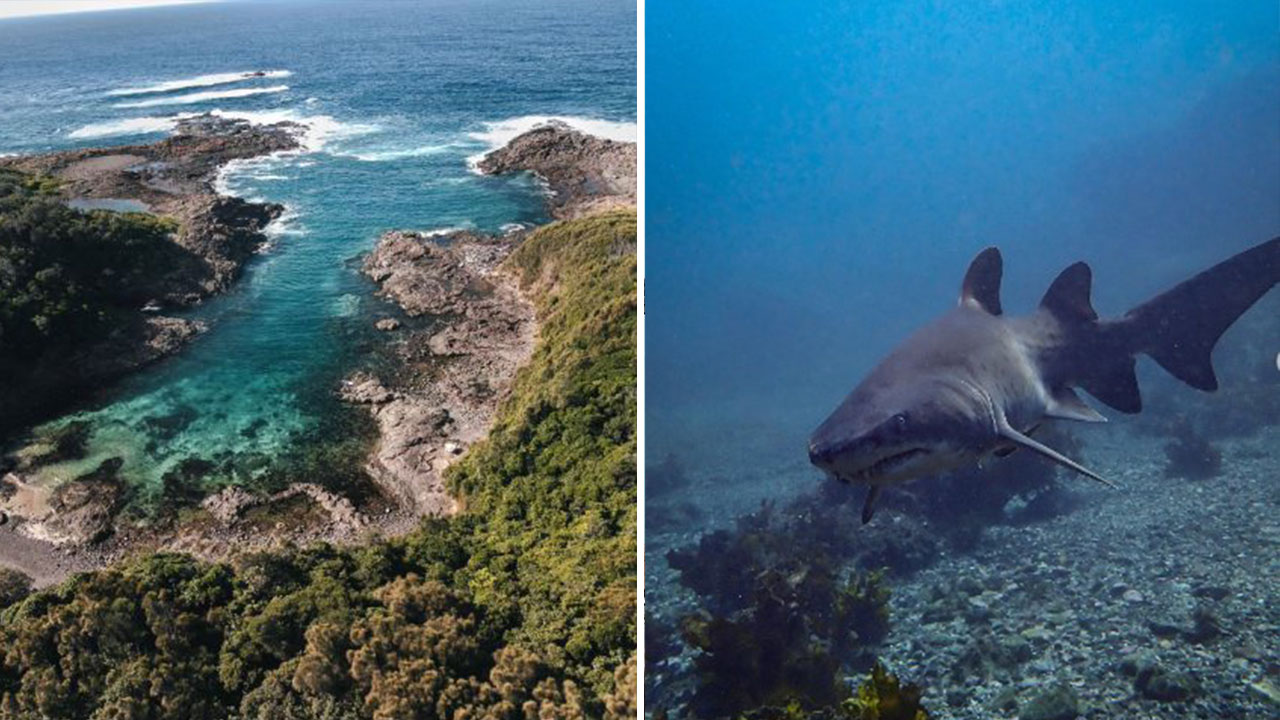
(884, 466)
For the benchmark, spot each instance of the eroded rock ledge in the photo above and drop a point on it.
(586, 174)
(453, 373)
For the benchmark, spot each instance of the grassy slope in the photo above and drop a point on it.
(523, 603)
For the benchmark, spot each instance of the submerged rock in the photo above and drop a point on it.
(1058, 702)
(1157, 683)
(84, 509)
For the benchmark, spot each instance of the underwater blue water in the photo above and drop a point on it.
(819, 178)
(396, 97)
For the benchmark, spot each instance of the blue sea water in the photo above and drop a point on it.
(819, 176)
(818, 179)
(396, 96)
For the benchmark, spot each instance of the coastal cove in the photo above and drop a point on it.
(254, 402)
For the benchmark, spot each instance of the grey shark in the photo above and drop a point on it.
(976, 383)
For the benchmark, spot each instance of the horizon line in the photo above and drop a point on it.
(76, 7)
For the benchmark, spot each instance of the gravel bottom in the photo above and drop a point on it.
(1158, 600)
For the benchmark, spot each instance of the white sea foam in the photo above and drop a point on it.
(129, 126)
(286, 225)
(200, 97)
(318, 130)
(440, 232)
(386, 155)
(497, 134)
(201, 81)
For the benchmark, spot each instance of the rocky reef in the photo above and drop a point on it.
(585, 174)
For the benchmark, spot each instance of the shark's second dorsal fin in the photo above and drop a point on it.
(1068, 297)
(981, 286)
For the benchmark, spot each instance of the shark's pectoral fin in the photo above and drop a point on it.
(869, 505)
(1067, 405)
(1013, 436)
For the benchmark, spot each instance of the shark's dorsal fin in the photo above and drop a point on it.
(1068, 297)
(1017, 438)
(981, 288)
(1065, 404)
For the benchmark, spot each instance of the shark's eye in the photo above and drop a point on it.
(900, 421)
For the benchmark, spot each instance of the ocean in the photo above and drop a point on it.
(397, 99)
(818, 180)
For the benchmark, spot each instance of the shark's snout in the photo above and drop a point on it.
(820, 453)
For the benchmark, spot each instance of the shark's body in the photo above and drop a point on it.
(976, 383)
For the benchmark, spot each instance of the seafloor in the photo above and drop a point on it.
(1173, 578)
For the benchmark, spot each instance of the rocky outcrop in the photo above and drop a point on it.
(586, 174)
(213, 237)
(453, 373)
(174, 178)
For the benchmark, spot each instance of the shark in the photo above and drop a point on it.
(976, 383)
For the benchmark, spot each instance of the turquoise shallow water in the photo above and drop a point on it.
(395, 98)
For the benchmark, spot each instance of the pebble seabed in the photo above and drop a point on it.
(1169, 580)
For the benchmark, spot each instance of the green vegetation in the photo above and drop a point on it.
(521, 606)
(64, 274)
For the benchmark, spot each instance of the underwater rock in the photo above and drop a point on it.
(84, 509)
(1058, 702)
(665, 477)
(1190, 455)
(1157, 683)
(168, 425)
(1205, 626)
(387, 324)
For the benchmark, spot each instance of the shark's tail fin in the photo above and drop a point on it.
(1178, 328)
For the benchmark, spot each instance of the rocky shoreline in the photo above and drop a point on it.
(586, 174)
(450, 376)
(457, 329)
(51, 533)
(215, 236)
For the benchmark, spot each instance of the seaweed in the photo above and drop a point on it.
(883, 697)
(779, 619)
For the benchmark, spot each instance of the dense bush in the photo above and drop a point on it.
(521, 606)
(65, 274)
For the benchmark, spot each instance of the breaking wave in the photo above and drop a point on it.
(496, 134)
(200, 97)
(129, 126)
(201, 81)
